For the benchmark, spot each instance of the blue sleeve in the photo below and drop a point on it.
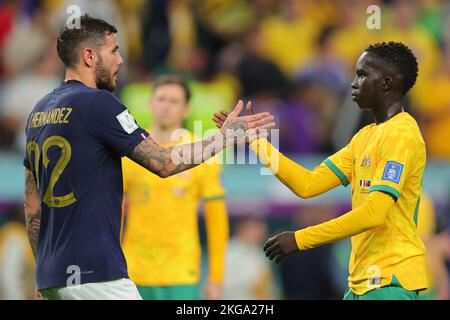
(111, 122)
(26, 159)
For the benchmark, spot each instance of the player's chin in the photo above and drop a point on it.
(112, 84)
(360, 104)
(114, 79)
(364, 108)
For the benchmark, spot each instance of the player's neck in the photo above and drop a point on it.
(163, 135)
(386, 112)
(86, 79)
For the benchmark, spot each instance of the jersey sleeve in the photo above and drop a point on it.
(26, 158)
(341, 163)
(111, 122)
(393, 166)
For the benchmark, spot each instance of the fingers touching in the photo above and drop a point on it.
(249, 108)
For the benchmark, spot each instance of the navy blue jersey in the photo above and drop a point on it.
(76, 137)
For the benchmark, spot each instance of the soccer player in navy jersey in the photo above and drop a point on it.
(76, 136)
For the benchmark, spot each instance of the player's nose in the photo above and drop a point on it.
(120, 61)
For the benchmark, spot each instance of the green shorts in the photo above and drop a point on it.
(383, 293)
(179, 292)
(394, 291)
(429, 294)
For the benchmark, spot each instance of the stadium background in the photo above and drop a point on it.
(292, 58)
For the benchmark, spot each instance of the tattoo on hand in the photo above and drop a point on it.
(236, 125)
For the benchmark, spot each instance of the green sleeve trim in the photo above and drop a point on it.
(337, 172)
(387, 189)
(416, 212)
(214, 198)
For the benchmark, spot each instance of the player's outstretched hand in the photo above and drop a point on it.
(234, 122)
(280, 246)
(220, 117)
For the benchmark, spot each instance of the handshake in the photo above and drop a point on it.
(240, 129)
(254, 125)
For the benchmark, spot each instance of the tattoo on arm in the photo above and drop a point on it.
(168, 161)
(32, 207)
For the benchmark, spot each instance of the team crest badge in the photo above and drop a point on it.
(366, 161)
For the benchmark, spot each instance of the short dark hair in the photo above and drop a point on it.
(401, 58)
(173, 79)
(70, 38)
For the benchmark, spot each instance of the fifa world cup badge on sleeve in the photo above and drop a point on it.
(127, 122)
(392, 171)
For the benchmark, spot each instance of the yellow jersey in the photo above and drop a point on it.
(14, 234)
(388, 157)
(161, 239)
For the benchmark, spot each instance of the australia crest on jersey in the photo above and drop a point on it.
(366, 161)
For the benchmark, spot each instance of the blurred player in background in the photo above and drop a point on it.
(437, 271)
(16, 260)
(248, 274)
(161, 238)
(384, 163)
(76, 136)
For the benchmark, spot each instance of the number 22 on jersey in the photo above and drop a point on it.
(66, 153)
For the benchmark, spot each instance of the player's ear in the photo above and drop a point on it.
(88, 57)
(387, 83)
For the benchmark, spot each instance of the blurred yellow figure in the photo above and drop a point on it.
(16, 263)
(437, 272)
(161, 237)
(287, 38)
(435, 111)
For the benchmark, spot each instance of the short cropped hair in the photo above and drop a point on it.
(71, 38)
(401, 58)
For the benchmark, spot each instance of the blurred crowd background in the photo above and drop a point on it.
(293, 58)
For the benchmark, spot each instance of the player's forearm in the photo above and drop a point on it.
(370, 215)
(169, 161)
(216, 222)
(188, 155)
(32, 208)
(301, 181)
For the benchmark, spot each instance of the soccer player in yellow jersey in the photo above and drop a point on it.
(161, 238)
(383, 164)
